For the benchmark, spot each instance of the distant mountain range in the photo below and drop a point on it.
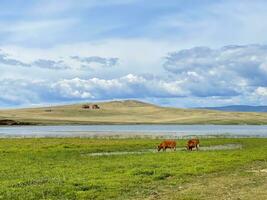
(238, 108)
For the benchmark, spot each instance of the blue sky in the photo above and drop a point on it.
(182, 53)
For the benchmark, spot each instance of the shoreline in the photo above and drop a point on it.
(27, 124)
(17, 124)
(97, 135)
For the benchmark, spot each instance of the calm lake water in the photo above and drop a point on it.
(133, 130)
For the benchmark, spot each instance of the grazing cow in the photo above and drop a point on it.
(86, 107)
(193, 143)
(95, 106)
(171, 144)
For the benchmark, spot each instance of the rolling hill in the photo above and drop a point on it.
(127, 112)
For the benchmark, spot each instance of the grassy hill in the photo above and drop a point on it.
(128, 112)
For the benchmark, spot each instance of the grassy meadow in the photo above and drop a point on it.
(64, 168)
(128, 112)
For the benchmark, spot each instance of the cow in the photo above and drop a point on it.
(86, 106)
(193, 143)
(95, 106)
(171, 144)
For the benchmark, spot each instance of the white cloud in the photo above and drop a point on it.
(228, 71)
(25, 91)
(95, 62)
(261, 91)
(129, 86)
(194, 76)
(74, 62)
(136, 56)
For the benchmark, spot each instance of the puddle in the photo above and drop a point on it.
(258, 171)
(119, 153)
(210, 148)
(222, 147)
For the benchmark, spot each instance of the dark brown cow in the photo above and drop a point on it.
(193, 143)
(95, 106)
(171, 144)
(86, 107)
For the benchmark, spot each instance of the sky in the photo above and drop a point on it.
(182, 53)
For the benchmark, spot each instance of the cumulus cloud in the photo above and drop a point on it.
(50, 64)
(93, 62)
(228, 71)
(261, 91)
(129, 86)
(96, 60)
(197, 76)
(39, 63)
(21, 91)
(5, 59)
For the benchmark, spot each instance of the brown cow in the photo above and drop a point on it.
(95, 106)
(86, 106)
(193, 143)
(171, 144)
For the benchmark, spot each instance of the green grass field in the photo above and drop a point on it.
(128, 112)
(63, 168)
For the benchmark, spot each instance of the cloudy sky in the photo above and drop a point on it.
(183, 53)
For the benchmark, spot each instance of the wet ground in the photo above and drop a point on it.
(208, 148)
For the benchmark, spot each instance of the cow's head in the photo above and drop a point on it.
(188, 147)
(159, 148)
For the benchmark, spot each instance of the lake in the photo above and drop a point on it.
(174, 131)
